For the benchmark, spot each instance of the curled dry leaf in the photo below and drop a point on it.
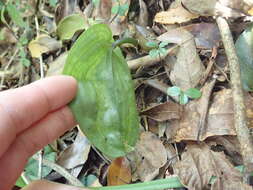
(119, 172)
(76, 154)
(43, 44)
(175, 15)
(198, 164)
(163, 112)
(188, 69)
(206, 35)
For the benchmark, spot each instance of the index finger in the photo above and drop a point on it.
(21, 107)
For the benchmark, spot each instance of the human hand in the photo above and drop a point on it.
(30, 118)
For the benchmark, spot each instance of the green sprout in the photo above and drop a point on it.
(184, 96)
(157, 49)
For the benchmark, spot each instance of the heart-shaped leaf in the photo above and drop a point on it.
(105, 103)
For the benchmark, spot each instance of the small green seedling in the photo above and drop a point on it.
(157, 49)
(184, 95)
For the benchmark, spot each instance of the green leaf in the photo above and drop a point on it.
(154, 53)
(174, 91)
(244, 48)
(20, 182)
(162, 51)
(193, 93)
(69, 25)
(183, 98)
(163, 44)
(31, 169)
(15, 15)
(105, 103)
(152, 44)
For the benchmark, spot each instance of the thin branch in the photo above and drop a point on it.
(148, 60)
(72, 180)
(240, 119)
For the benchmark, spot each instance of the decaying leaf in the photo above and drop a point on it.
(206, 35)
(119, 172)
(188, 69)
(163, 112)
(174, 15)
(220, 119)
(232, 8)
(198, 164)
(149, 155)
(6, 37)
(76, 154)
(43, 44)
(56, 67)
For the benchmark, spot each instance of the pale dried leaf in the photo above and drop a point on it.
(76, 154)
(174, 15)
(56, 67)
(43, 44)
(188, 69)
(212, 8)
(151, 148)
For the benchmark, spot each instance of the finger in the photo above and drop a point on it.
(21, 107)
(30, 141)
(46, 185)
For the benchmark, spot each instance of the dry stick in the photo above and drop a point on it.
(72, 180)
(148, 60)
(240, 119)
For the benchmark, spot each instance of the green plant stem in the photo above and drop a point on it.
(124, 41)
(172, 182)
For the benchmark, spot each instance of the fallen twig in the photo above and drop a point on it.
(72, 180)
(240, 119)
(148, 60)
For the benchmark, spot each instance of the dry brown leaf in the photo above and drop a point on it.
(174, 15)
(119, 172)
(163, 112)
(149, 155)
(206, 35)
(231, 145)
(7, 37)
(198, 164)
(43, 44)
(76, 154)
(220, 119)
(223, 8)
(188, 69)
(151, 148)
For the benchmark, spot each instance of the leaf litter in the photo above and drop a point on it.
(197, 141)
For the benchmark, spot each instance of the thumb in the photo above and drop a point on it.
(46, 185)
